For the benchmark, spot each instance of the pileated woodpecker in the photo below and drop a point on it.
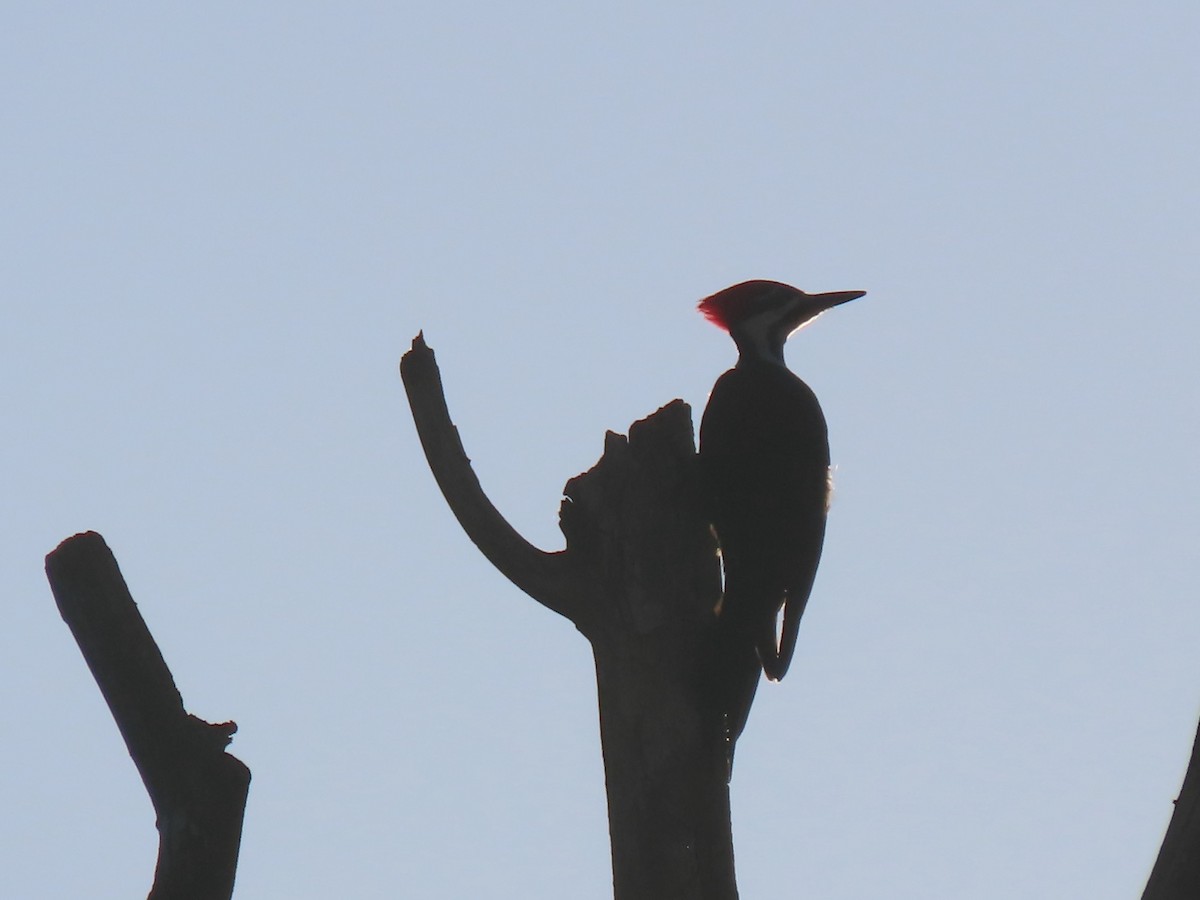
(764, 457)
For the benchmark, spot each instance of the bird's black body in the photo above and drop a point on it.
(764, 456)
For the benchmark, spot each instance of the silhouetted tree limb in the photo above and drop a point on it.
(198, 790)
(639, 578)
(542, 575)
(1176, 874)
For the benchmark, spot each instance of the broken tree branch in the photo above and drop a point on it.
(198, 790)
(544, 576)
(1176, 873)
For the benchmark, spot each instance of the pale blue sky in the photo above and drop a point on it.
(223, 225)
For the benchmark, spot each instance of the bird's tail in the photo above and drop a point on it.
(776, 658)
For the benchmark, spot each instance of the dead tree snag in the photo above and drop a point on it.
(198, 790)
(639, 578)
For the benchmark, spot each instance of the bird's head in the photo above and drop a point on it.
(761, 315)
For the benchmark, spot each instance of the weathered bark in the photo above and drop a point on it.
(1176, 873)
(635, 531)
(198, 790)
(639, 578)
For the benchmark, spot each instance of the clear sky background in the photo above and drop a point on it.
(223, 224)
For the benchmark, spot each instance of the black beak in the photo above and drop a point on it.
(823, 302)
(808, 306)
